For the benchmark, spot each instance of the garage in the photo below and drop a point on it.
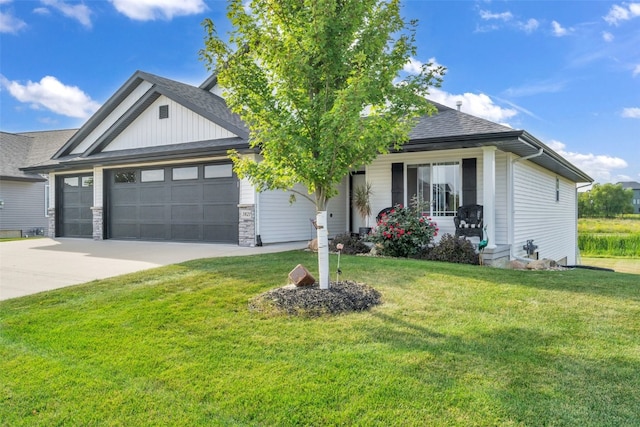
(75, 198)
(179, 203)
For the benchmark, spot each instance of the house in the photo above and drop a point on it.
(24, 196)
(152, 164)
(635, 186)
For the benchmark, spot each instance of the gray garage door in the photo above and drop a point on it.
(75, 198)
(181, 203)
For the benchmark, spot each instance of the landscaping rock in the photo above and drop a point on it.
(517, 265)
(313, 245)
(300, 276)
(541, 264)
(341, 297)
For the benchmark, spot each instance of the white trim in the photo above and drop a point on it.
(489, 193)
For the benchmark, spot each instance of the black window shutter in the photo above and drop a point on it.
(469, 182)
(397, 184)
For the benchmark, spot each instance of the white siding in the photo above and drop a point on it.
(247, 193)
(537, 215)
(281, 221)
(217, 90)
(182, 125)
(23, 207)
(379, 174)
(113, 117)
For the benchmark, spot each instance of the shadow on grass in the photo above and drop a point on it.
(526, 370)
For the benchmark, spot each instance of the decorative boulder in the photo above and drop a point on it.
(300, 276)
(516, 265)
(313, 245)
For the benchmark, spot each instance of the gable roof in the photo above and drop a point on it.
(19, 150)
(634, 185)
(200, 101)
(450, 129)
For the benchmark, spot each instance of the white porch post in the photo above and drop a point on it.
(489, 193)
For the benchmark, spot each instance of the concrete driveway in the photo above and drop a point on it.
(30, 266)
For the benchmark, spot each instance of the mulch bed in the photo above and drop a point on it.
(341, 297)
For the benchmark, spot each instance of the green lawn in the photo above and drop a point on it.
(451, 345)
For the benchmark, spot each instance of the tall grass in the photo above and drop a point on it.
(619, 245)
(601, 237)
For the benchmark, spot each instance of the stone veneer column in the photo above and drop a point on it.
(97, 223)
(247, 225)
(51, 232)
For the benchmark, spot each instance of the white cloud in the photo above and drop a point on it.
(10, 24)
(598, 167)
(479, 105)
(80, 12)
(414, 66)
(618, 13)
(504, 16)
(559, 30)
(607, 36)
(631, 113)
(530, 26)
(53, 95)
(636, 70)
(149, 10)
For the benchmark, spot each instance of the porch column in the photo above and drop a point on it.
(489, 193)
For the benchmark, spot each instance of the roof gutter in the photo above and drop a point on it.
(531, 156)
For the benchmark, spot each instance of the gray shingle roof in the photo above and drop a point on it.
(29, 149)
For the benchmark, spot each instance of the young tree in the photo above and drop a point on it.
(317, 83)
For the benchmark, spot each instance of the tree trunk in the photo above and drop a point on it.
(323, 249)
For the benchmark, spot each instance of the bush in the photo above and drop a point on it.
(404, 232)
(352, 244)
(452, 249)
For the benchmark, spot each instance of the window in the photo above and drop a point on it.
(557, 189)
(87, 181)
(179, 174)
(218, 171)
(438, 185)
(127, 177)
(152, 175)
(163, 112)
(71, 181)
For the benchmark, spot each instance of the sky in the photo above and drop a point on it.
(567, 72)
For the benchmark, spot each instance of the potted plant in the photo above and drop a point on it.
(362, 203)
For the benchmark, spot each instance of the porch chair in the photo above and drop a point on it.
(468, 221)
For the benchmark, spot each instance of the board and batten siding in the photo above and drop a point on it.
(23, 206)
(118, 112)
(379, 174)
(183, 125)
(280, 221)
(538, 216)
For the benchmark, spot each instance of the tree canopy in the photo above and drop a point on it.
(318, 84)
(605, 200)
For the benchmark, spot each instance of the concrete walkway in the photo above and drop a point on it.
(30, 266)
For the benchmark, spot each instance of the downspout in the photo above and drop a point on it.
(513, 162)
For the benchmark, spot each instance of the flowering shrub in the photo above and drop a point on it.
(403, 232)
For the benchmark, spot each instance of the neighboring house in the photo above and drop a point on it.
(24, 196)
(635, 186)
(152, 164)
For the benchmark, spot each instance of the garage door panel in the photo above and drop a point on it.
(219, 191)
(186, 213)
(194, 209)
(124, 195)
(125, 213)
(220, 212)
(86, 198)
(153, 213)
(220, 233)
(153, 231)
(186, 193)
(186, 232)
(125, 231)
(153, 194)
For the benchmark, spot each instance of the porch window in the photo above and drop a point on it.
(437, 185)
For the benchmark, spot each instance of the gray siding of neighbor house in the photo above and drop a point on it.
(23, 207)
